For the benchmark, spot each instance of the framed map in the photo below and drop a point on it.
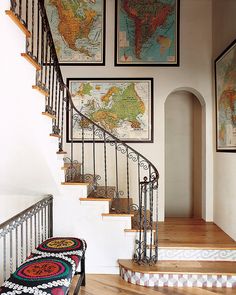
(124, 107)
(147, 33)
(225, 81)
(78, 30)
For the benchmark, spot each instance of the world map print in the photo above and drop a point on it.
(122, 107)
(226, 99)
(77, 28)
(147, 32)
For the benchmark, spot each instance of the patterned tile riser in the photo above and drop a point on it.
(197, 254)
(178, 280)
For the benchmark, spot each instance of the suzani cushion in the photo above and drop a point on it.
(49, 270)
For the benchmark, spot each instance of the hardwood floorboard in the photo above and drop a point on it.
(189, 232)
(114, 285)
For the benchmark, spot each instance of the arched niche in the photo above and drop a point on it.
(185, 154)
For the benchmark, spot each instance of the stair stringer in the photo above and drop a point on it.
(105, 236)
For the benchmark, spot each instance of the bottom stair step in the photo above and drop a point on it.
(180, 273)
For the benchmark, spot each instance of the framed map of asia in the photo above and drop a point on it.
(147, 33)
(78, 30)
(225, 79)
(124, 107)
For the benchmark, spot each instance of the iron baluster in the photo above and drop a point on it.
(26, 13)
(32, 28)
(11, 253)
(20, 8)
(71, 146)
(4, 258)
(59, 106)
(50, 106)
(35, 231)
(145, 220)
(127, 177)
(16, 246)
(21, 244)
(39, 229)
(37, 36)
(94, 160)
(53, 86)
(105, 163)
(26, 238)
(45, 223)
(117, 176)
(31, 234)
(42, 54)
(46, 68)
(82, 149)
(62, 121)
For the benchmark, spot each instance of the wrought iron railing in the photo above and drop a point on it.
(23, 233)
(111, 168)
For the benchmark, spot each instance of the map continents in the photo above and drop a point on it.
(78, 30)
(123, 107)
(226, 99)
(147, 32)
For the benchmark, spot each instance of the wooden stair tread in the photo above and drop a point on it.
(75, 183)
(55, 135)
(61, 153)
(182, 267)
(117, 214)
(20, 25)
(169, 245)
(95, 199)
(49, 115)
(133, 230)
(31, 61)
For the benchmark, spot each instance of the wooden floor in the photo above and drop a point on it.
(188, 232)
(114, 285)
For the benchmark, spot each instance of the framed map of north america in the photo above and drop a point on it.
(78, 30)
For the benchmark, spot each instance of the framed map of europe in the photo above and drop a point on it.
(78, 30)
(122, 106)
(147, 33)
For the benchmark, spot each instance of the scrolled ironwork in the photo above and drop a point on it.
(60, 101)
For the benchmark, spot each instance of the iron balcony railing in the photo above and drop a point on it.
(111, 168)
(23, 233)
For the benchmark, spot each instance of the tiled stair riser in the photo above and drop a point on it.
(178, 280)
(197, 254)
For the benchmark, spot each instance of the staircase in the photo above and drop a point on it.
(107, 191)
(106, 187)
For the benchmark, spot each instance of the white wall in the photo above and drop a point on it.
(194, 74)
(224, 32)
(26, 150)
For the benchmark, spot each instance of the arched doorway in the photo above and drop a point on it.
(183, 155)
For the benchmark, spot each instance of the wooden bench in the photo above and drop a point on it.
(49, 269)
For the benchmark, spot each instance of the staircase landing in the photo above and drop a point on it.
(192, 253)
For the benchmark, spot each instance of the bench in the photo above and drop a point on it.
(49, 269)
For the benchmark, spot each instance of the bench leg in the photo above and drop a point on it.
(81, 280)
(83, 271)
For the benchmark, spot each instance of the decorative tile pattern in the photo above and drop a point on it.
(196, 254)
(178, 280)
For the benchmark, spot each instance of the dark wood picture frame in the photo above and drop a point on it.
(103, 45)
(225, 99)
(113, 81)
(162, 40)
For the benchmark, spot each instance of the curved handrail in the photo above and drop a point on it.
(147, 174)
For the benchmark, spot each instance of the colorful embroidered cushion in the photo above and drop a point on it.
(65, 245)
(41, 275)
(49, 269)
